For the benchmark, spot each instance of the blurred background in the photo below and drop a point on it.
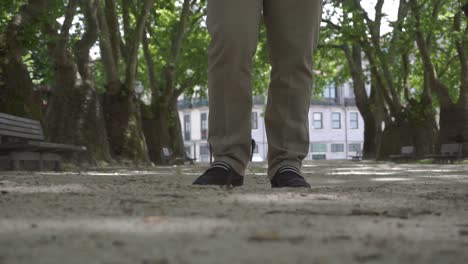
(128, 79)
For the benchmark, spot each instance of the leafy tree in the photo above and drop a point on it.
(121, 27)
(74, 114)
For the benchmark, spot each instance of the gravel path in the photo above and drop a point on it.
(356, 212)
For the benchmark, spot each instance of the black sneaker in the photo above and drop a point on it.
(221, 174)
(288, 176)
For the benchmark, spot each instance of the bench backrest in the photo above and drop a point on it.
(407, 150)
(19, 127)
(451, 149)
(166, 152)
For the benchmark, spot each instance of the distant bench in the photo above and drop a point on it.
(23, 145)
(448, 153)
(406, 153)
(168, 157)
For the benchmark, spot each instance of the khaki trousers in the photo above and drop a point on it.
(292, 35)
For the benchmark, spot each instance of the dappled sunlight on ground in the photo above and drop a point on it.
(432, 170)
(362, 173)
(388, 179)
(149, 225)
(64, 188)
(283, 198)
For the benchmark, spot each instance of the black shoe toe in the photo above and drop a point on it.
(289, 178)
(221, 175)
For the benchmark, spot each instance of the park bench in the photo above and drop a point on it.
(448, 153)
(406, 153)
(168, 157)
(357, 157)
(23, 146)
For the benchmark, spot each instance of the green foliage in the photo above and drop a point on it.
(191, 63)
(261, 66)
(8, 8)
(331, 67)
(440, 29)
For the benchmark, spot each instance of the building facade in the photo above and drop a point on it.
(336, 127)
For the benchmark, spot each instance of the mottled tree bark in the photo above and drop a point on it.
(370, 106)
(453, 114)
(407, 121)
(16, 88)
(74, 115)
(121, 106)
(162, 125)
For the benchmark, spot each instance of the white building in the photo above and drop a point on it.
(335, 124)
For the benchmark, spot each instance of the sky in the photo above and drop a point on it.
(390, 8)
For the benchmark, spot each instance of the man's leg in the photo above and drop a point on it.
(293, 29)
(233, 26)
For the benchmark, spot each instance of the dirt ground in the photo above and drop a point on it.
(356, 212)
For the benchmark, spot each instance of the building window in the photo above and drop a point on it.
(329, 92)
(204, 149)
(187, 127)
(319, 157)
(317, 121)
(337, 148)
(254, 120)
(354, 120)
(354, 147)
(351, 93)
(318, 147)
(204, 125)
(336, 120)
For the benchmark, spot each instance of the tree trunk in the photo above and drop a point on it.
(16, 92)
(163, 129)
(16, 89)
(124, 126)
(162, 125)
(156, 124)
(415, 126)
(121, 105)
(370, 106)
(370, 148)
(175, 129)
(454, 116)
(75, 114)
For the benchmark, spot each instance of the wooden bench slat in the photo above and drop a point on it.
(20, 119)
(32, 146)
(21, 129)
(56, 145)
(20, 135)
(406, 153)
(37, 145)
(20, 124)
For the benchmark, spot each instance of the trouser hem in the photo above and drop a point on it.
(237, 166)
(273, 169)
